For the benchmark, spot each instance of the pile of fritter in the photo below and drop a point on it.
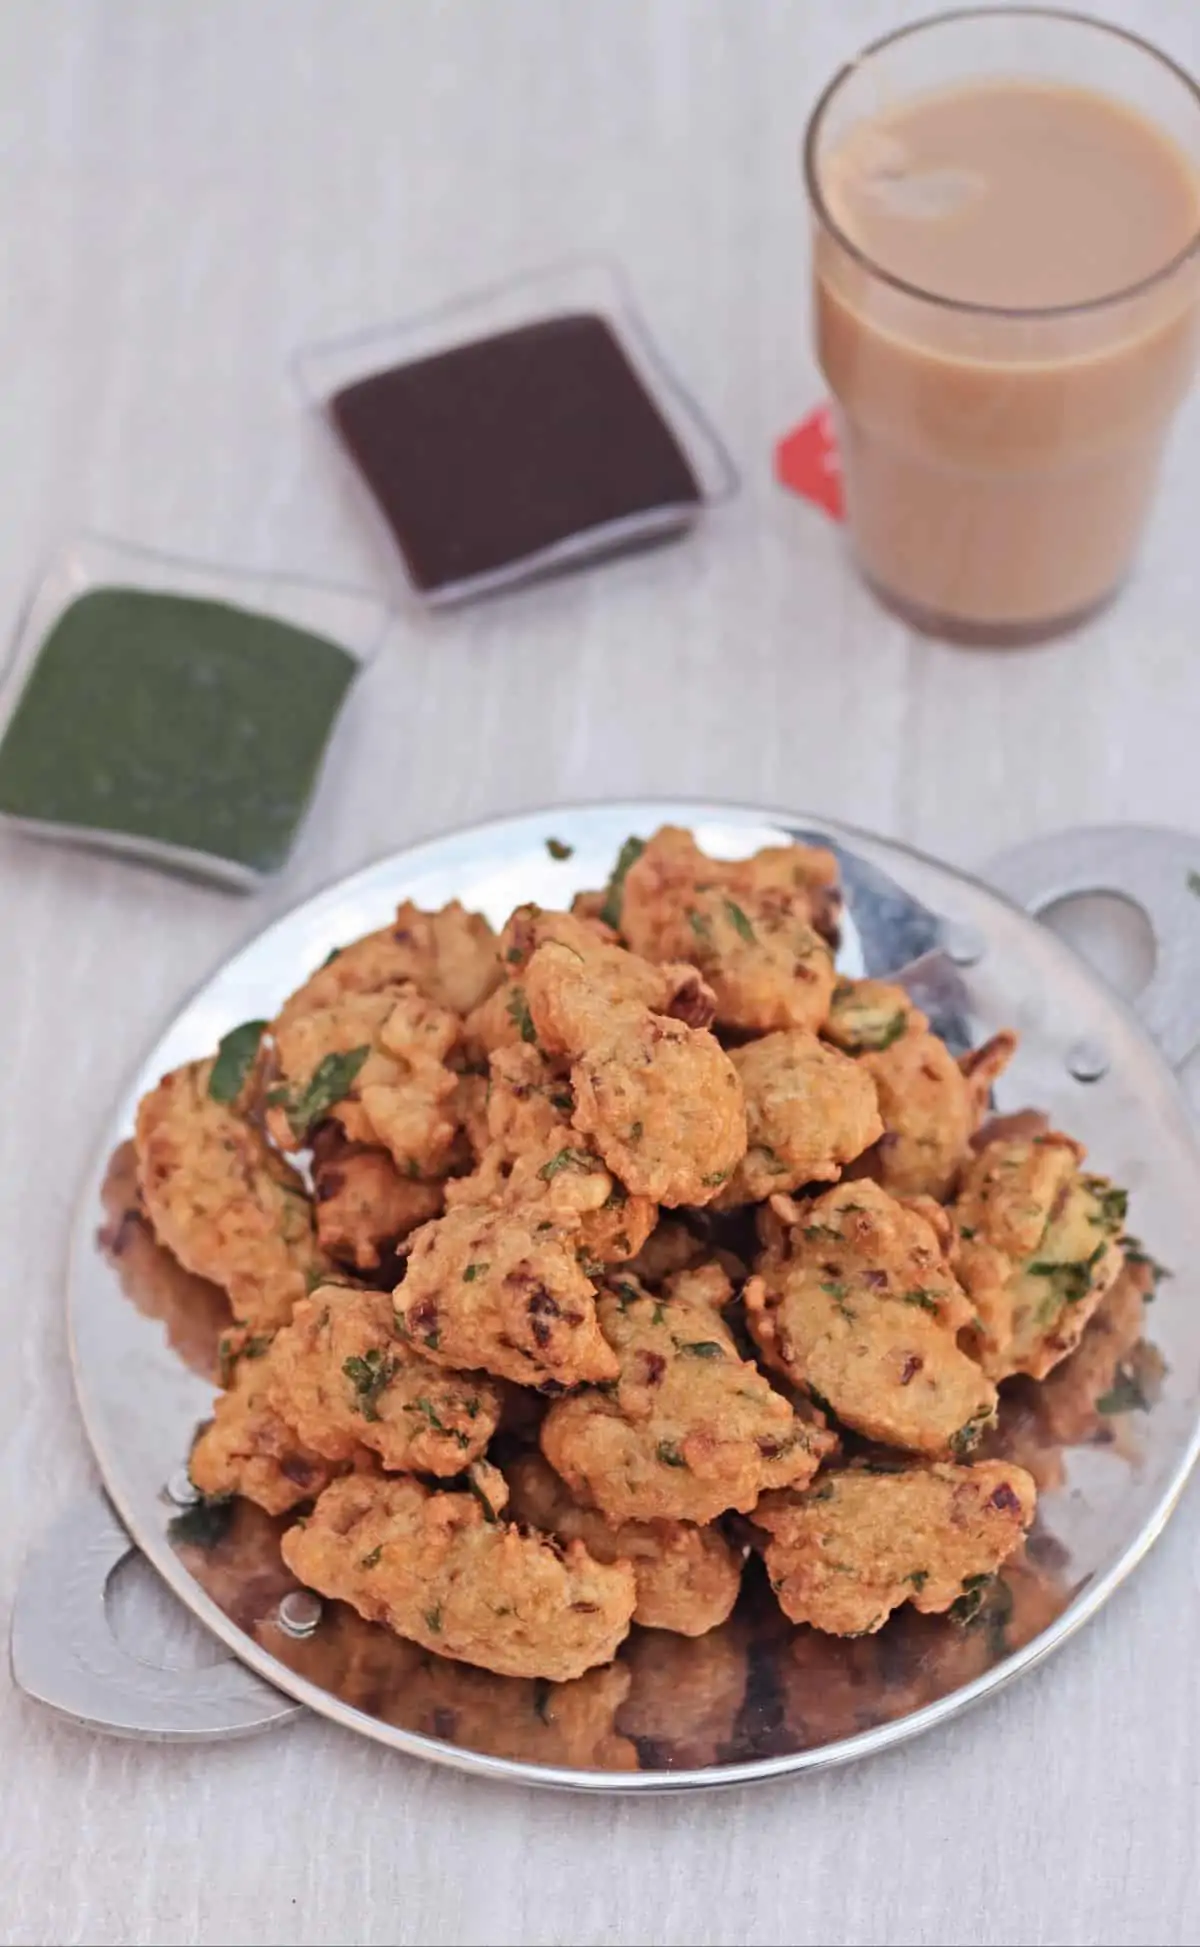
(572, 1264)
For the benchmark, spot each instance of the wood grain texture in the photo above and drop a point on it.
(187, 194)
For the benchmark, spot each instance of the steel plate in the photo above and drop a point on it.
(757, 1699)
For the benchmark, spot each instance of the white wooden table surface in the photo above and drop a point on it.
(186, 193)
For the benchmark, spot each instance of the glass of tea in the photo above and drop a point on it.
(1006, 260)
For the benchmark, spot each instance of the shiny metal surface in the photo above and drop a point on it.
(1154, 868)
(299, 1614)
(65, 1654)
(757, 1699)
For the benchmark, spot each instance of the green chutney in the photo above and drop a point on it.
(194, 725)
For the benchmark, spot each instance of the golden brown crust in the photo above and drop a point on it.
(503, 1020)
(343, 1378)
(706, 1282)
(687, 1577)
(450, 956)
(529, 1102)
(867, 1016)
(859, 1543)
(553, 1312)
(435, 1568)
(672, 988)
(810, 869)
(247, 1448)
(534, 1155)
(688, 1430)
(928, 1114)
(502, 1289)
(661, 1101)
(930, 1104)
(1039, 1245)
(499, 1021)
(749, 927)
(930, 1110)
(855, 1303)
(220, 1199)
(364, 1206)
(395, 1088)
(1110, 1372)
(810, 1110)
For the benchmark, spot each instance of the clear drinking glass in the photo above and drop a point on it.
(999, 461)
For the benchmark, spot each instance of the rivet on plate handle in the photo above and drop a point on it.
(1158, 870)
(64, 1653)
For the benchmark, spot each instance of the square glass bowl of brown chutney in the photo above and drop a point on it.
(518, 433)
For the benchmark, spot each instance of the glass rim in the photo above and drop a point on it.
(968, 306)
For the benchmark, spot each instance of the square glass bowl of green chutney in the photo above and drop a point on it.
(176, 712)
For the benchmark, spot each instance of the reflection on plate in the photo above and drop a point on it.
(753, 1688)
(1109, 1437)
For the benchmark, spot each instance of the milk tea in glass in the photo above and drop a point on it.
(1006, 254)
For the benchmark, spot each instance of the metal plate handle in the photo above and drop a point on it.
(64, 1653)
(1158, 870)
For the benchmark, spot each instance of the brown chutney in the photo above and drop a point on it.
(490, 455)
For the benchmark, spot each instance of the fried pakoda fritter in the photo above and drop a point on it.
(222, 1201)
(377, 1064)
(445, 1570)
(1017, 1605)
(687, 1577)
(660, 873)
(688, 1430)
(810, 1110)
(673, 988)
(534, 1155)
(540, 1142)
(1111, 1371)
(706, 1282)
(854, 1301)
(501, 1021)
(930, 1104)
(1038, 1248)
(563, 1186)
(867, 1016)
(248, 1448)
(504, 1021)
(661, 1101)
(749, 927)
(501, 1288)
(343, 1378)
(529, 1101)
(768, 968)
(449, 956)
(859, 1543)
(364, 1207)
(808, 869)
